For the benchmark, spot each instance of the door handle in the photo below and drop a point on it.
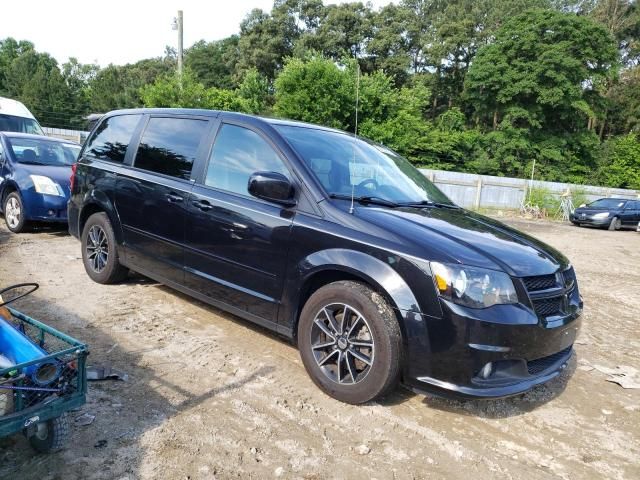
(202, 205)
(174, 198)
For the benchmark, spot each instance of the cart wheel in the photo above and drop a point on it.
(51, 435)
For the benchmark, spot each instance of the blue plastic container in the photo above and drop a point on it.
(18, 348)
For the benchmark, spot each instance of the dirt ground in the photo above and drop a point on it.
(211, 396)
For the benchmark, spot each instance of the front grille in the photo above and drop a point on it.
(541, 364)
(547, 307)
(540, 282)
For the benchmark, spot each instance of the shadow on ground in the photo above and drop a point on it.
(95, 445)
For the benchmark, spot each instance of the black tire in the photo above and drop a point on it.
(101, 263)
(615, 224)
(51, 436)
(14, 214)
(373, 316)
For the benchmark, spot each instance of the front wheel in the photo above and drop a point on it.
(615, 224)
(99, 252)
(350, 342)
(51, 435)
(14, 214)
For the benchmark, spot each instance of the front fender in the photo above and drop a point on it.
(371, 269)
(374, 271)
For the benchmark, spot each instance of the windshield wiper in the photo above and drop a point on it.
(366, 199)
(31, 162)
(429, 203)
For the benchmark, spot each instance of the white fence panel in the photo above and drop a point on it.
(485, 191)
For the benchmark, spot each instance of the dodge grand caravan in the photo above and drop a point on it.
(328, 239)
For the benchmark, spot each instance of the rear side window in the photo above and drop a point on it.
(238, 153)
(112, 137)
(169, 146)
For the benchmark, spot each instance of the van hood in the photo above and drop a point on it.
(463, 237)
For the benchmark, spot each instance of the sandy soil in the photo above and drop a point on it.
(211, 396)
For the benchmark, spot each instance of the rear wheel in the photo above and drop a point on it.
(350, 342)
(615, 224)
(14, 214)
(99, 252)
(51, 435)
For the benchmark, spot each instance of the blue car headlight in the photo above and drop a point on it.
(46, 186)
(601, 215)
(473, 287)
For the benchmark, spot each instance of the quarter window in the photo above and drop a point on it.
(237, 154)
(169, 146)
(112, 137)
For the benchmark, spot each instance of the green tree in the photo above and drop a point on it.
(316, 91)
(390, 46)
(267, 39)
(214, 63)
(621, 165)
(10, 49)
(174, 91)
(119, 86)
(541, 78)
(254, 89)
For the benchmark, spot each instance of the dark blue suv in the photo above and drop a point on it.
(333, 241)
(34, 178)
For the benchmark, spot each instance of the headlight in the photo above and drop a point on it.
(601, 215)
(473, 287)
(46, 185)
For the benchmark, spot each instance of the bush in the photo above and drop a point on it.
(543, 199)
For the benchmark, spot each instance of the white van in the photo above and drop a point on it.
(15, 117)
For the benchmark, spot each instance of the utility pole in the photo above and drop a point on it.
(178, 25)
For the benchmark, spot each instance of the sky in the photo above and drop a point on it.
(122, 31)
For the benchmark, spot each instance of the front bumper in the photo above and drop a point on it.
(45, 208)
(589, 220)
(524, 350)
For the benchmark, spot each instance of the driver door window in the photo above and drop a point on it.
(238, 153)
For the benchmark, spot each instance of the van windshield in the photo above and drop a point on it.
(11, 123)
(345, 165)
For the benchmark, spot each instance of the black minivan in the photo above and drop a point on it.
(328, 239)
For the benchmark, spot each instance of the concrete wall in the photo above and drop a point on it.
(484, 191)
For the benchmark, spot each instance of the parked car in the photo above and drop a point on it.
(611, 213)
(34, 178)
(15, 117)
(333, 241)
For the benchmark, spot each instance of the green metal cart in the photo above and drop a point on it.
(40, 411)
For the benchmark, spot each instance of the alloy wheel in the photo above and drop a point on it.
(97, 248)
(13, 212)
(342, 343)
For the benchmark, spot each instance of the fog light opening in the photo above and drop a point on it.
(487, 370)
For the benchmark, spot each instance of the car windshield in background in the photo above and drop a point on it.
(344, 164)
(10, 123)
(608, 203)
(43, 152)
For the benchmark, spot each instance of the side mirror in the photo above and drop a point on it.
(273, 187)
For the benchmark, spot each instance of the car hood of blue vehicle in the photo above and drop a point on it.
(464, 237)
(59, 174)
